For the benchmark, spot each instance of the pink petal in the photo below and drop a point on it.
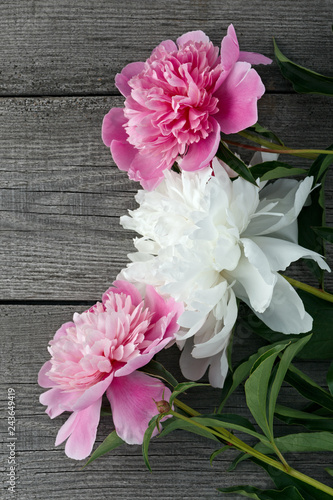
(122, 286)
(57, 401)
(140, 361)
(126, 74)
(62, 331)
(112, 127)
(167, 45)
(132, 403)
(80, 429)
(192, 36)
(92, 394)
(123, 154)
(238, 97)
(147, 170)
(43, 379)
(201, 153)
(254, 58)
(229, 49)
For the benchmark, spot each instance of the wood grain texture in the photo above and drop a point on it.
(77, 46)
(61, 197)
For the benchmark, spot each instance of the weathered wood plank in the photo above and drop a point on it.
(180, 461)
(77, 46)
(61, 195)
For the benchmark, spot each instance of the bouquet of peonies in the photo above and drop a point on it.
(214, 237)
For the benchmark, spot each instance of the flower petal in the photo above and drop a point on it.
(43, 379)
(80, 429)
(238, 96)
(112, 127)
(57, 401)
(254, 58)
(126, 74)
(132, 403)
(286, 313)
(92, 394)
(281, 253)
(229, 49)
(192, 36)
(201, 153)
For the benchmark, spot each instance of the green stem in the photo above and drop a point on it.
(277, 148)
(240, 445)
(310, 289)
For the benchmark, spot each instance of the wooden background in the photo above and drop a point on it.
(61, 196)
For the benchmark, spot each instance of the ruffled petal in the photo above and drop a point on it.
(132, 403)
(201, 153)
(238, 96)
(58, 401)
(286, 313)
(192, 36)
(80, 429)
(126, 74)
(43, 379)
(92, 394)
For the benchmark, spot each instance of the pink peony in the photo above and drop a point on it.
(100, 351)
(178, 102)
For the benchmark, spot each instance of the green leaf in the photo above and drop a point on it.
(308, 388)
(172, 424)
(287, 357)
(147, 438)
(224, 154)
(256, 387)
(156, 369)
(218, 452)
(184, 386)
(289, 493)
(311, 421)
(329, 470)
(320, 166)
(264, 132)
(329, 378)
(303, 80)
(269, 170)
(300, 442)
(230, 421)
(111, 442)
(283, 480)
(324, 232)
(242, 371)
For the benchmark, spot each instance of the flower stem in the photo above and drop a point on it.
(240, 445)
(277, 148)
(310, 289)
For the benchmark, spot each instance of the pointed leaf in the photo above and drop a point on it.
(303, 80)
(287, 357)
(269, 170)
(264, 132)
(184, 386)
(308, 388)
(324, 232)
(175, 423)
(111, 442)
(311, 421)
(156, 369)
(256, 387)
(147, 438)
(300, 442)
(218, 452)
(329, 470)
(330, 378)
(320, 166)
(224, 154)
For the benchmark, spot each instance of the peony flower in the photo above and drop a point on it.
(100, 351)
(208, 241)
(178, 102)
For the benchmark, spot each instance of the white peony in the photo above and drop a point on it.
(208, 241)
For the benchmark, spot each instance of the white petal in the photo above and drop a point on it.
(253, 276)
(286, 312)
(281, 253)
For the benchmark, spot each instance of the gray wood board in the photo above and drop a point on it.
(61, 195)
(77, 46)
(180, 461)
